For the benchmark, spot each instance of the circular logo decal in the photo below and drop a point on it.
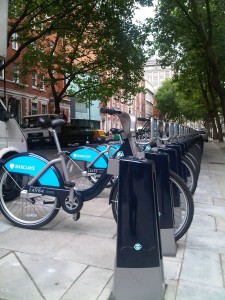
(137, 246)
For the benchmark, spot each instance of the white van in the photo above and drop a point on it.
(36, 136)
(12, 139)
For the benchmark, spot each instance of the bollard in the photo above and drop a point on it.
(169, 247)
(138, 264)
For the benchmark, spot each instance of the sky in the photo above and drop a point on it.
(144, 12)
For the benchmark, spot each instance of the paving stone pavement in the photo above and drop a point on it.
(68, 260)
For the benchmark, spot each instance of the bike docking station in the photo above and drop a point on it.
(175, 166)
(165, 202)
(138, 270)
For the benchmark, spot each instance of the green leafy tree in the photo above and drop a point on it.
(166, 99)
(174, 102)
(198, 100)
(181, 28)
(90, 45)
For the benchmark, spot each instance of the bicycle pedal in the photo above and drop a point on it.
(76, 216)
(69, 184)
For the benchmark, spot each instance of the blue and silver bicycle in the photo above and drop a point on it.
(86, 164)
(32, 188)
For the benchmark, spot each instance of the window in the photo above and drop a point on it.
(155, 75)
(34, 79)
(81, 107)
(15, 41)
(44, 109)
(42, 82)
(51, 45)
(1, 71)
(167, 73)
(15, 73)
(34, 45)
(34, 109)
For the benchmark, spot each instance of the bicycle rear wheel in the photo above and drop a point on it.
(30, 213)
(183, 214)
(184, 211)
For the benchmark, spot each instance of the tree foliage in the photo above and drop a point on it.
(188, 35)
(166, 98)
(174, 102)
(92, 45)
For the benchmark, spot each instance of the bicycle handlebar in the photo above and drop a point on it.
(143, 119)
(51, 123)
(110, 111)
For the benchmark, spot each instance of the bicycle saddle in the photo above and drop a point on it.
(46, 122)
(101, 140)
(116, 130)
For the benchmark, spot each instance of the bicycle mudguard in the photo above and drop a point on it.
(30, 164)
(88, 154)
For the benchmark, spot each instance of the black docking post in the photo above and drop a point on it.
(138, 264)
(165, 202)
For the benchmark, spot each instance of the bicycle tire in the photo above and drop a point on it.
(190, 175)
(23, 212)
(194, 161)
(195, 154)
(186, 205)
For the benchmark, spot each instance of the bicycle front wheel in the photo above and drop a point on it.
(189, 174)
(30, 213)
(183, 204)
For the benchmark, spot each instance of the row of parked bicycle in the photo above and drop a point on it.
(32, 188)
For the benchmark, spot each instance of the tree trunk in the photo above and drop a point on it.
(57, 107)
(214, 128)
(205, 35)
(219, 128)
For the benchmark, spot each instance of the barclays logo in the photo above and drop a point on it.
(75, 155)
(21, 167)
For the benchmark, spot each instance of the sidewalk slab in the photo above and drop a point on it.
(68, 260)
(53, 277)
(205, 268)
(189, 290)
(15, 282)
(89, 285)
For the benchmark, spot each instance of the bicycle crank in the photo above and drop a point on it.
(72, 206)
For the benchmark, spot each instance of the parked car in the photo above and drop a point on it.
(204, 133)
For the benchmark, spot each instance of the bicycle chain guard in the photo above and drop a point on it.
(72, 207)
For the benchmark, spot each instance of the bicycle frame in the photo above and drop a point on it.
(93, 157)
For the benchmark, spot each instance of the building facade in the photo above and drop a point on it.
(30, 95)
(155, 74)
(149, 99)
(85, 116)
(135, 105)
